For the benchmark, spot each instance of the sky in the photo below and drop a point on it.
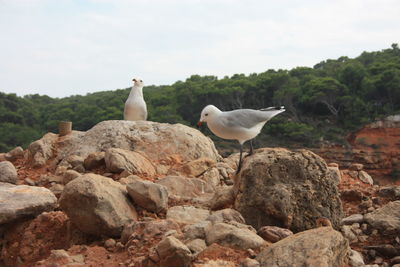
(69, 47)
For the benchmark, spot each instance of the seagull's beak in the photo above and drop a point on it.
(133, 80)
(199, 123)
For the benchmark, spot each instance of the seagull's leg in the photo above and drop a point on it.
(251, 148)
(240, 159)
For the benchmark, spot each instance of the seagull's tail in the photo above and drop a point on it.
(281, 108)
(273, 111)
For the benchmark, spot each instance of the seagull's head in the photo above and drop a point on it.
(208, 113)
(137, 82)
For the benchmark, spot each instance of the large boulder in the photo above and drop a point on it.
(186, 188)
(97, 205)
(42, 150)
(8, 173)
(19, 201)
(317, 247)
(158, 141)
(288, 189)
(386, 219)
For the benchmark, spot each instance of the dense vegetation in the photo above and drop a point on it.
(323, 103)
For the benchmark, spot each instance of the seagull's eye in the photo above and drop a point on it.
(141, 81)
(206, 114)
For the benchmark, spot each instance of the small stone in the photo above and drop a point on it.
(395, 260)
(356, 167)
(355, 218)
(248, 262)
(356, 259)
(378, 260)
(364, 227)
(370, 209)
(110, 243)
(252, 253)
(30, 182)
(362, 238)
(374, 232)
(119, 246)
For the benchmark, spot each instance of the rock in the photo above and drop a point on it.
(14, 154)
(224, 197)
(354, 218)
(226, 216)
(196, 246)
(351, 195)
(286, 189)
(356, 167)
(356, 259)
(273, 233)
(234, 237)
(148, 195)
(110, 243)
(94, 160)
(157, 141)
(118, 160)
(70, 175)
(42, 150)
(147, 230)
(187, 214)
(19, 201)
(29, 181)
(57, 189)
(173, 252)
(321, 246)
(395, 260)
(211, 177)
(249, 263)
(198, 167)
(103, 204)
(8, 173)
(365, 177)
(183, 187)
(349, 234)
(196, 230)
(390, 192)
(386, 219)
(386, 250)
(335, 174)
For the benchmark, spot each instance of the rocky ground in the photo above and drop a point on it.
(150, 194)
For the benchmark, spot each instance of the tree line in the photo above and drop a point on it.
(323, 103)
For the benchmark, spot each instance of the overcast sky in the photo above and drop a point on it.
(68, 47)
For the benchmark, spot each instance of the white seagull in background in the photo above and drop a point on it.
(239, 124)
(135, 107)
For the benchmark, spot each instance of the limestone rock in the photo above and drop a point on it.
(15, 153)
(196, 230)
(118, 160)
(356, 259)
(211, 177)
(150, 196)
(287, 189)
(103, 204)
(184, 187)
(226, 216)
(365, 177)
(386, 219)
(18, 201)
(317, 247)
(273, 233)
(94, 160)
(173, 252)
(224, 197)
(70, 175)
(233, 236)
(42, 150)
(157, 141)
(198, 167)
(354, 218)
(249, 263)
(8, 173)
(187, 214)
(196, 246)
(390, 192)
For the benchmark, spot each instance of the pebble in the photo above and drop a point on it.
(372, 253)
(364, 227)
(110, 243)
(378, 260)
(29, 181)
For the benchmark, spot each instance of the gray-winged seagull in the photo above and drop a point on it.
(239, 124)
(135, 106)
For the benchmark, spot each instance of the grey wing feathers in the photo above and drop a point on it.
(248, 118)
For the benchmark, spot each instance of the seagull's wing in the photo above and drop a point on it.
(248, 118)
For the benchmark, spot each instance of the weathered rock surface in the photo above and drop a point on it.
(273, 233)
(233, 236)
(226, 216)
(42, 150)
(183, 187)
(171, 252)
(356, 259)
(14, 154)
(158, 141)
(118, 160)
(148, 195)
(187, 214)
(223, 197)
(354, 218)
(198, 167)
(94, 160)
(390, 192)
(196, 245)
(386, 219)
(287, 189)
(317, 247)
(8, 173)
(196, 230)
(104, 207)
(18, 201)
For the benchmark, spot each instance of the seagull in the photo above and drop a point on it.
(135, 107)
(239, 124)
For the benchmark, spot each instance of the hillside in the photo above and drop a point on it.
(323, 103)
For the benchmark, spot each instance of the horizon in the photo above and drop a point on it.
(68, 47)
